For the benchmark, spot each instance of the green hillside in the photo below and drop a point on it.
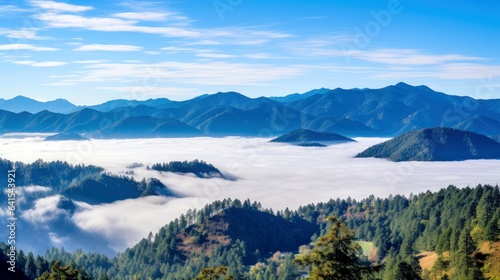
(436, 144)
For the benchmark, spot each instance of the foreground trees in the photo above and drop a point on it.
(215, 273)
(60, 273)
(335, 255)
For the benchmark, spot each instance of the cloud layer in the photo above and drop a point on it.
(278, 175)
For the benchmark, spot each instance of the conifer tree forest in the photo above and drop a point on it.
(459, 226)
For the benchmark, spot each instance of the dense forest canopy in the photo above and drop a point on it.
(456, 224)
(198, 167)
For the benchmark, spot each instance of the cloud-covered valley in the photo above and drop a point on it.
(277, 175)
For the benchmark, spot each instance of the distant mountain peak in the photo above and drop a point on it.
(22, 97)
(229, 93)
(403, 85)
(22, 103)
(299, 96)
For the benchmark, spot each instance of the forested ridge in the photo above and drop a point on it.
(87, 183)
(200, 168)
(455, 223)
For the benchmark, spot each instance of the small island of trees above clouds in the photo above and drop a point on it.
(307, 137)
(197, 167)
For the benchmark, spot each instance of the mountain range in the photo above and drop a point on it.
(387, 111)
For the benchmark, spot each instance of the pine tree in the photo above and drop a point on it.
(30, 267)
(335, 255)
(59, 272)
(214, 274)
(466, 267)
(439, 266)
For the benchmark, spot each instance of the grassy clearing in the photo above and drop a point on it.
(365, 246)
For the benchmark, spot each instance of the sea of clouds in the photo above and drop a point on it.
(277, 175)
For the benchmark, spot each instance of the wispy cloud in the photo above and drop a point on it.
(200, 73)
(44, 211)
(15, 47)
(449, 71)
(179, 26)
(23, 33)
(150, 16)
(95, 61)
(110, 24)
(49, 64)
(214, 55)
(40, 64)
(111, 48)
(11, 9)
(60, 84)
(60, 7)
(409, 57)
(156, 91)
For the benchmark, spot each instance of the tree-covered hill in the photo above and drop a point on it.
(108, 188)
(86, 183)
(306, 136)
(199, 168)
(259, 230)
(457, 224)
(436, 144)
(65, 137)
(56, 175)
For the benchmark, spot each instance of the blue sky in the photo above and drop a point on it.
(92, 51)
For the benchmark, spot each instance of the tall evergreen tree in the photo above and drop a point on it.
(466, 266)
(59, 272)
(335, 255)
(30, 267)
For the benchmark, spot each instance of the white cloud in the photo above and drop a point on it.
(111, 48)
(177, 49)
(56, 240)
(131, 218)
(49, 64)
(24, 62)
(149, 16)
(215, 55)
(34, 189)
(200, 73)
(74, 44)
(23, 33)
(44, 211)
(278, 175)
(408, 57)
(258, 56)
(11, 9)
(40, 64)
(94, 61)
(128, 22)
(62, 84)
(60, 7)
(110, 24)
(155, 91)
(15, 47)
(447, 71)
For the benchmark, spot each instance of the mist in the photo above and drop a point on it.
(277, 175)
